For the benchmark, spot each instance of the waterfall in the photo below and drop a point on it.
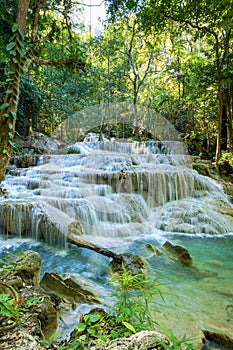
(115, 190)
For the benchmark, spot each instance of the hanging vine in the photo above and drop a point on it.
(16, 49)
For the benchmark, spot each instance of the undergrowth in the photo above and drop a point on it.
(133, 311)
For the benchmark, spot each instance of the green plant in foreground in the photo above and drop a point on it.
(89, 332)
(134, 300)
(8, 307)
(130, 313)
(176, 343)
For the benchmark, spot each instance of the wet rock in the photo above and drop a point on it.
(176, 252)
(40, 143)
(3, 192)
(218, 338)
(48, 318)
(71, 287)
(133, 263)
(152, 249)
(75, 228)
(144, 340)
(23, 161)
(15, 217)
(202, 168)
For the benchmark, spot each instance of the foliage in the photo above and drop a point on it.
(28, 108)
(136, 309)
(131, 312)
(226, 163)
(177, 344)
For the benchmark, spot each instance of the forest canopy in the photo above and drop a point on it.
(174, 57)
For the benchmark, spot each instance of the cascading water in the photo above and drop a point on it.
(126, 194)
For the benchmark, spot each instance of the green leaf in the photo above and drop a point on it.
(9, 92)
(10, 46)
(21, 34)
(10, 126)
(16, 61)
(11, 143)
(80, 327)
(5, 105)
(129, 326)
(13, 52)
(15, 27)
(11, 136)
(20, 52)
(94, 318)
(13, 114)
(20, 42)
(4, 151)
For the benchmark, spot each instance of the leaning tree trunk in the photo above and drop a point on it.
(9, 108)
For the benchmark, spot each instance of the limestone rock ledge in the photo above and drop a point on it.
(143, 340)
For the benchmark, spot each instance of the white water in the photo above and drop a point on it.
(115, 190)
(125, 195)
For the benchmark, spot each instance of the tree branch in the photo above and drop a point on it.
(63, 62)
(36, 8)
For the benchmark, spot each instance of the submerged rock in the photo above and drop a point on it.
(176, 252)
(152, 249)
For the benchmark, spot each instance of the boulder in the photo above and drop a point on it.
(71, 287)
(15, 217)
(144, 340)
(219, 338)
(178, 253)
(51, 226)
(40, 143)
(24, 268)
(47, 316)
(152, 249)
(20, 278)
(134, 264)
(23, 161)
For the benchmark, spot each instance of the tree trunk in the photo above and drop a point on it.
(136, 124)
(79, 242)
(220, 100)
(8, 113)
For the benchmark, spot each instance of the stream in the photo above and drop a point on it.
(125, 195)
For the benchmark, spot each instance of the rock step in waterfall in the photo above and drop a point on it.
(110, 190)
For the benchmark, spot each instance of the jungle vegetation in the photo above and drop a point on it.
(174, 57)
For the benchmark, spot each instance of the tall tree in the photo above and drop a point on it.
(212, 21)
(9, 108)
(41, 29)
